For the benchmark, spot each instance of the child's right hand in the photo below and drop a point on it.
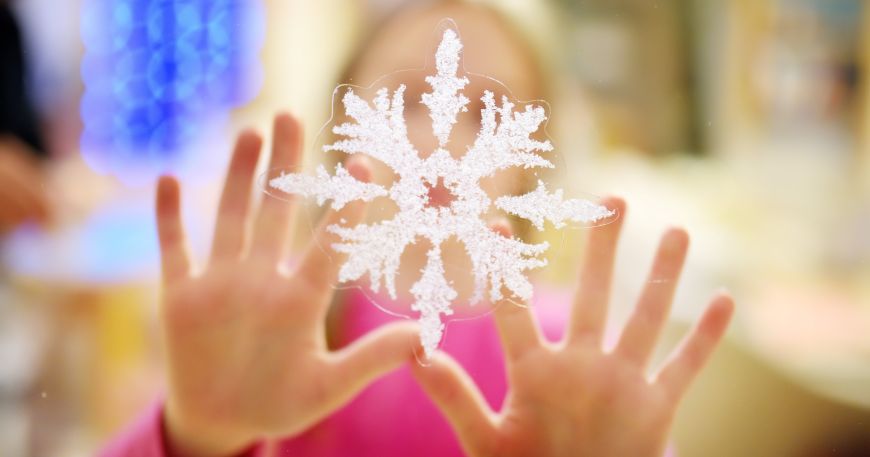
(245, 341)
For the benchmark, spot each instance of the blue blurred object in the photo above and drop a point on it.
(160, 75)
(116, 244)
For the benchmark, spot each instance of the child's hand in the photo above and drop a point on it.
(245, 341)
(575, 399)
(22, 186)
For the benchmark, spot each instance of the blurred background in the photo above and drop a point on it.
(746, 121)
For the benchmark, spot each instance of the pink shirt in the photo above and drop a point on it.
(392, 416)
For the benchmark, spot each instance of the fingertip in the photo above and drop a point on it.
(287, 129)
(432, 369)
(613, 201)
(359, 167)
(284, 117)
(168, 208)
(612, 223)
(246, 153)
(167, 189)
(286, 124)
(165, 182)
(501, 226)
(676, 238)
(248, 143)
(723, 304)
(615, 204)
(249, 134)
(718, 315)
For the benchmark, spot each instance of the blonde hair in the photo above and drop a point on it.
(533, 22)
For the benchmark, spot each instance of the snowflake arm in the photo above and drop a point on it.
(340, 188)
(539, 205)
(374, 249)
(500, 261)
(507, 142)
(379, 130)
(432, 298)
(444, 102)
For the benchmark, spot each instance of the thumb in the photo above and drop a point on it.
(373, 355)
(450, 387)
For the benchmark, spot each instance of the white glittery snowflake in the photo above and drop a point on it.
(503, 142)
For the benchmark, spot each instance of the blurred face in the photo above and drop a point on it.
(409, 41)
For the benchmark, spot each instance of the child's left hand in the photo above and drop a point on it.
(574, 398)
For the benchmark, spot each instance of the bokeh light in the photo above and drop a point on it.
(160, 75)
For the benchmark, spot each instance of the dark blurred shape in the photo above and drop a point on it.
(17, 115)
(854, 445)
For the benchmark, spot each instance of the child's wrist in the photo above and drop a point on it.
(191, 437)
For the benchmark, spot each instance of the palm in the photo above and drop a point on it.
(271, 336)
(245, 339)
(574, 398)
(580, 395)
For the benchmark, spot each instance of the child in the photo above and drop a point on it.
(246, 341)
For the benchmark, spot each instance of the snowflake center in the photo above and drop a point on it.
(439, 195)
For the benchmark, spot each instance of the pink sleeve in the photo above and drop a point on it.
(146, 438)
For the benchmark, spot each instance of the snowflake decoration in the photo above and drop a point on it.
(503, 142)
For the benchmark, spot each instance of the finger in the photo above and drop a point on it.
(696, 348)
(517, 329)
(589, 312)
(175, 260)
(236, 197)
(642, 330)
(452, 390)
(372, 355)
(272, 227)
(320, 263)
(516, 324)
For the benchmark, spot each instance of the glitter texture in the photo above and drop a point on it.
(504, 141)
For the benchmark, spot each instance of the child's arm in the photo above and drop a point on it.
(574, 398)
(245, 341)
